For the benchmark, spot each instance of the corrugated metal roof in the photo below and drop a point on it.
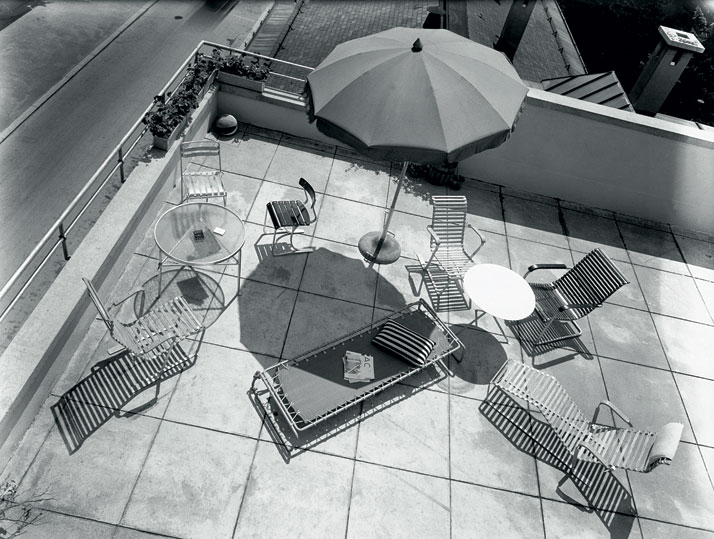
(602, 88)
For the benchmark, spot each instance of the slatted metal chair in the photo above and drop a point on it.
(287, 216)
(154, 335)
(613, 447)
(202, 171)
(449, 261)
(584, 288)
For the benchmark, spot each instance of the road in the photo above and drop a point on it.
(125, 52)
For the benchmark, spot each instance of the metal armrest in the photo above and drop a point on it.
(614, 409)
(480, 236)
(434, 235)
(535, 267)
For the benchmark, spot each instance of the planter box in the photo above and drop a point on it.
(165, 143)
(241, 82)
(207, 86)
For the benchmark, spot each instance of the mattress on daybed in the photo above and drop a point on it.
(314, 385)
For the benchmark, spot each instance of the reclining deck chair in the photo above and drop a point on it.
(576, 294)
(201, 171)
(287, 216)
(613, 447)
(154, 335)
(449, 260)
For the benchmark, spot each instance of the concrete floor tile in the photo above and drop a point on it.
(213, 393)
(315, 490)
(483, 454)
(94, 481)
(563, 520)
(699, 256)
(270, 192)
(318, 320)
(628, 334)
(418, 505)
(654, 529)
(525, 253)
(414, 195)
(672, 294)
(242, 191)
(400, 284)
(413, 434)
(706, 289)
(484, 355)
(50, 525)
(131, 533)
(587, 232)
(485, 512)
(347, 221)
(484, 209)
(359, 181)
(339, 271)
(680, 493)
(293, 140)
(290, 163)
(528, 196)
(698, 396)
(533, 221)
(259, 264)
(687, 345)
(251, 157)
(244, 322)
(410, 231)
(647, 396)
(191, 484)
(708, 456)
(652, 248)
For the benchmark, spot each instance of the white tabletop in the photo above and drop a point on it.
(499, 291)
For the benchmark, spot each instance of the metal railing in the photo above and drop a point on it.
(57, 235)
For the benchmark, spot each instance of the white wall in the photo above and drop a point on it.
(572, 150)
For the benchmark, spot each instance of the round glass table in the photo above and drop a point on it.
(500, 292)
(199, 234)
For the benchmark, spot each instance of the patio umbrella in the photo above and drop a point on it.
(412, 94)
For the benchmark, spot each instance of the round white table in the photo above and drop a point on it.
(499, 291)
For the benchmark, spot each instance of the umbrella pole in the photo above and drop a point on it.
(379, 247)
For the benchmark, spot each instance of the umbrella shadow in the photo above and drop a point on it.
(600, 490)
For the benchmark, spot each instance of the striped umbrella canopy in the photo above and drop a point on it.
(413, 94)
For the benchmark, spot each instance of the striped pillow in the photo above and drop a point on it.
(404, 343)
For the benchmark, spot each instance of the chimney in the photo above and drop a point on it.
(663, 69)
(513, 28)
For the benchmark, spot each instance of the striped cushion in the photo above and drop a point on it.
(404, 343)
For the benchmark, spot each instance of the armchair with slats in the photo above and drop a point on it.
(201, 171)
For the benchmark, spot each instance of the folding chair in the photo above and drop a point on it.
(287, 216)
(613, 447)
(584, 288)
(449, 260)
(201, 171)
(156, 334)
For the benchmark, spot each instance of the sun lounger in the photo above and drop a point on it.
(311, 388)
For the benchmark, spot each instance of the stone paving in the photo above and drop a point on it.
(193, 459)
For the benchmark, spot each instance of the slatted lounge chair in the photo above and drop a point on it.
(449, 261)
(154, 335)
(576, 294)
(311, 388)
(287, 216)
(613, 447)
(202, 171)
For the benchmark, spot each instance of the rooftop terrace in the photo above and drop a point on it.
(431, 459)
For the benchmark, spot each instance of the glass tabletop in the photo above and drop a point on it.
(199, 233)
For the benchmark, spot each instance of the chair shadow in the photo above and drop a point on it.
(110, 385)
(527, 331)
(289, 446)
(446, 299)
(604, 494)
